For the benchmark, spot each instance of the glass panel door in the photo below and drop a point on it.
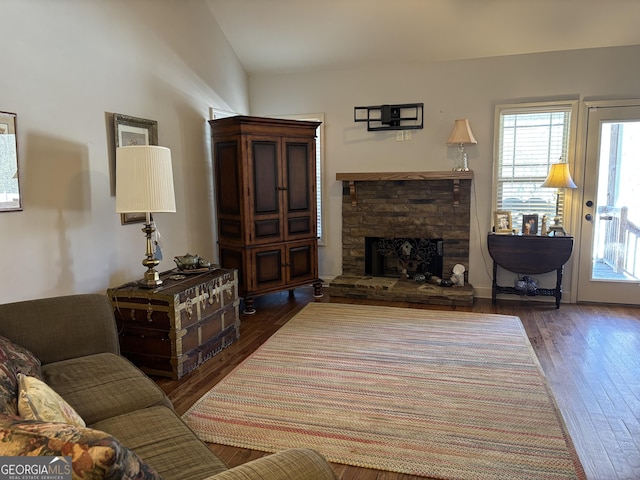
(609, 269)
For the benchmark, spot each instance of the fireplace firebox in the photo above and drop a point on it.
(403, 257)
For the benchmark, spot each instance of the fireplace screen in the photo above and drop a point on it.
(397, 257)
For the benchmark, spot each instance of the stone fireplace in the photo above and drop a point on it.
(413, 205)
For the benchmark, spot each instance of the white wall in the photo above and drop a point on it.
(65, 66)
(462, 89)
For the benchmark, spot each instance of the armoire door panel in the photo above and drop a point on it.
(267, 228)
(299, 225)
(230, 228)
(268, 267)
(265, 177)
(298, 177)
(229, 197)
(300, 262)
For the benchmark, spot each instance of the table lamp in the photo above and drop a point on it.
(144, 184)
(558, 177)
(461, 136)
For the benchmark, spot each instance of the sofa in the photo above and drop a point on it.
(66, 390)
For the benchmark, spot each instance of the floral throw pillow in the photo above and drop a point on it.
(94, 454)
(14, 359)
(38, 401)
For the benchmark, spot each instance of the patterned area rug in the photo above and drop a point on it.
(431, 393)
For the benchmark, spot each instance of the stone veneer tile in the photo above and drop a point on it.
(411, 208)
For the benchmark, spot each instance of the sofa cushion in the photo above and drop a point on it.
(102, 386)
(38, 401)
(14, 359)
(94, 454)
(162, 440)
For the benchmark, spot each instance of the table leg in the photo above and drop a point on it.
(559, 286)
(494, 284)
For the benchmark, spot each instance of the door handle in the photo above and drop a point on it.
(588, 217)
(589, 203)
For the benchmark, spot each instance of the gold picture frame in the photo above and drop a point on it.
(130, 130)
(10, 198)
(503, 222)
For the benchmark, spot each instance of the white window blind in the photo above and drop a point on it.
(529, 139)
(319, 154)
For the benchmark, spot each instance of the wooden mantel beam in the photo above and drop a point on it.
(352, 178)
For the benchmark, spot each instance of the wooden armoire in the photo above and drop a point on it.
(265, 178)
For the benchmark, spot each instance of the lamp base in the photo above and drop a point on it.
(462, 164)
(151, 276)
(557, 231)
(151, 279)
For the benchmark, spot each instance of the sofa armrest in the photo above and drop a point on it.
(293, 464)
(59, 328)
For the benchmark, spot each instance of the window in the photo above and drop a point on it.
(216, 113)
(529, 138)
(316, 117)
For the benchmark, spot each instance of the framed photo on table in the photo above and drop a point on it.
(133, 131)
(502, 222)
(530, 224)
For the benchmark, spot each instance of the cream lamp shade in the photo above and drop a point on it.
(559, 177)
(144, 180)
(462, 134)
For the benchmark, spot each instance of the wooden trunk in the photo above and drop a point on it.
(172, 329)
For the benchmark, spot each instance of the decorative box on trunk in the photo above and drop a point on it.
(170, 330)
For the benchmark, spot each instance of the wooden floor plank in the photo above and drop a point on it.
(590, 355)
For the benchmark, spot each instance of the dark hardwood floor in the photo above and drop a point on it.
(589, 353)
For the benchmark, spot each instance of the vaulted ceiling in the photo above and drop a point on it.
(276, 36)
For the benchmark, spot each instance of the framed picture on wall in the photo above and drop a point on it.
(530, 224)
(133, 131)
(9, 169)
(502, 222)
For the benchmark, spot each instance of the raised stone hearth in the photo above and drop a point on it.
(394, 205)
(399, 290)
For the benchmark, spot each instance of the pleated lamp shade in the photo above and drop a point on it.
(144, 180)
